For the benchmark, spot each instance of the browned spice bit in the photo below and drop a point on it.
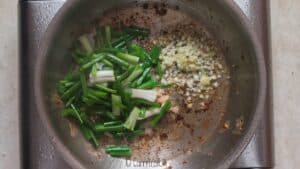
(155, 6)
(189, 151)
(243, 57)
(201, 139)
(187, 125)
(192, 131)
(174, 109)
(205, 124)
(147, 138)
(145, 6)
(94, 118)
(226, 125)
(205, 105)
(234, 66)
(184, 162)
(160, 9)
(163, 136)
(239, 123)
(189, 105)
(108, 139)
(73, 129)
(98, 154)
(179, 118)
(57, 101)
(164, 162)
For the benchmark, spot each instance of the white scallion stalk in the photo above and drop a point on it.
(149, 95)
(102, 76)
(85, 42)
(150, 113)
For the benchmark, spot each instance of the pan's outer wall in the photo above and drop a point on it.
(230, 27)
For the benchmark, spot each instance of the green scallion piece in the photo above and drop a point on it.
(141, 79)
(107, 63)
(131, 120)
(154, 54)
(96, 58)
(86, 44)
(129, 58)
(83, 83)
(136, 73)
(101, 128)
(142, 102)
(71, 91)
(116, 104)
(126, 74)
(159, 71)
(89, 135)
(112, 123)
(118, 151)
(77, 114)
(97, 93)
(135, 31)
(149, 84)
(163, 111)
(105, 89)
(117, 60)
(108, 35)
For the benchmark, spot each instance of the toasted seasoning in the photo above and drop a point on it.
(191, 62)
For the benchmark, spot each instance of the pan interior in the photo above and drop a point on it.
(187, 131)
(210, 142)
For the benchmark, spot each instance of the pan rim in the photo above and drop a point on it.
(228, 159)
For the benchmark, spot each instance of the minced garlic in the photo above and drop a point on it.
(191, 63)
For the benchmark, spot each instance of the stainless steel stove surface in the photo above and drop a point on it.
(37, 150)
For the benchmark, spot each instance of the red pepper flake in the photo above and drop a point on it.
(184, 162)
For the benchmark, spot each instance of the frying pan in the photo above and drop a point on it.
(244, 102)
